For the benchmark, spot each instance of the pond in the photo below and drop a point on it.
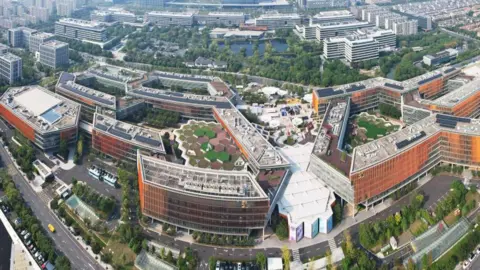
(278, 44)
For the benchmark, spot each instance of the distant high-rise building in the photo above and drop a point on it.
(54, 54)
(10, 67)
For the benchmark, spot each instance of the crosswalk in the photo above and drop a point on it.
(296, 255)
(332, 244)
(44, 197)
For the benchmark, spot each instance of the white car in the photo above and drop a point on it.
(465, 264)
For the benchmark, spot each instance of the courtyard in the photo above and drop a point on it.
(366, 127)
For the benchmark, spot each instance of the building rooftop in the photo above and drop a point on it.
(334, 14)
(192, 99)
(391, 145)
(251, 139)
(115, 73)
(278, 16)
(457, 96)
(184, 77)
(326, 25)
(67, 84)
(54, 44)
(43, 35)
(9, 57)
(143, 137)
(226, 14)
(200, 182)
(399, 86)
(92, 25)
(170, 13)
(40, 108)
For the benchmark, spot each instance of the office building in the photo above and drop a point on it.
(149, 3)
(360, 48)
(39, 38)
(20, 37)
(10, 68)
(54, 54)
(405, 28)
(41, 116)
(121, 140)
(386, 38)
(220, 18)
(440, 57)
(80, 29)
(240, 2)
(321, 4)
(165, 18)
(338, 29)
(90, 99)
(113, 16)
(332, 16)
(278, 21)
(352, 48)
(203, 200)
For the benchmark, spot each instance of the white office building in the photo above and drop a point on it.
(39, 38)
(10, 68)
(80, 29)
(166, 18)
(322, 4)
(278, 21)
(54, 54)
(332, 16)
(338, 29)
(358, 49)
(220, 18)
(405, 28)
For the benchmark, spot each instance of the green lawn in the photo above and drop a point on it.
(373, 129)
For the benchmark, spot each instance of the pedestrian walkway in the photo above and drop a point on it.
(332, 244)
(296, 255)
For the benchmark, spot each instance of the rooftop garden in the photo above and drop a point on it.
(208, 145)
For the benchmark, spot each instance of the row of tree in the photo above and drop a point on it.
(223, 240)
(30, 222)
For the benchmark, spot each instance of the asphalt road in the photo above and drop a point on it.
(63, 239)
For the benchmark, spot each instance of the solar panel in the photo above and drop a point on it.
(65, 77)
(406, 142)
(101, 126)
(120, 134)
(355, 88)
(96, 98)
(326, 92)
(394, 86)
(195, 102)
(453, 118)
(148, 141)
(429, 79)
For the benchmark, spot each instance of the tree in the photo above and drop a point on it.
(328, 257)
(62, 263)
(261, 260)
(212, 262)
(411, 265)
(348, 243)
(282, 230)
(286, 257)
(63, 149)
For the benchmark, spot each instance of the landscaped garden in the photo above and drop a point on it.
(208, 145)
(366, 127)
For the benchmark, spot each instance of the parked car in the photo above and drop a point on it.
(23, 232)
(26, 236)
(472, 256)
(466, 264)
